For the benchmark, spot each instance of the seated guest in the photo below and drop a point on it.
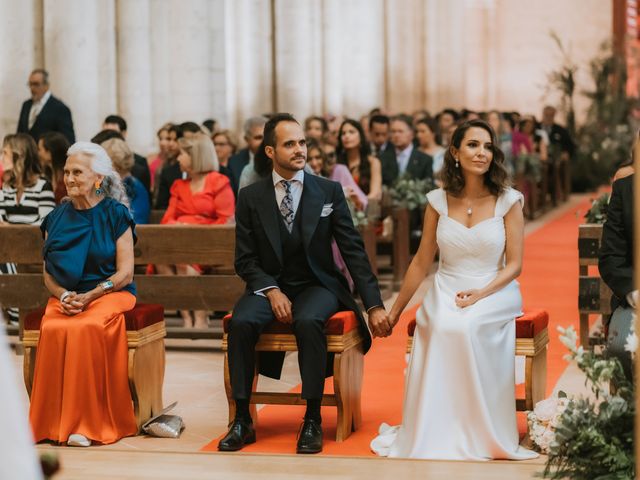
(616, 267)
(379, 134)
(428, 143)
(447, 120)
(140, 168)
(211, 125)
(52, 152)
(253, 134)
(316, 127)
(404, 158)
(353, 151)
(26, 196)
(170, 171)
(504, 134)
(190, 129)
(80, 388)
(160, 159)
(204, 198)
(226, 144)
(122, 158)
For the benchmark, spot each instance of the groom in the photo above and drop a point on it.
(284, 227)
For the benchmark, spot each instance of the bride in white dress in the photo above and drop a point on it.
(459, 401)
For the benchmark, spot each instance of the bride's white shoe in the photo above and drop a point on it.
(78, 440)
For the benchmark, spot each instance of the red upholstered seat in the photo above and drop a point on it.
(143, 315)
(339, 324)
(530, 324)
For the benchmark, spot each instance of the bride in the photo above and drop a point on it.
(459, 401)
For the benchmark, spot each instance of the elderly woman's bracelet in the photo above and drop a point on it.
(64, 295)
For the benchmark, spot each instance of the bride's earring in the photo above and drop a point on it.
(457, 163)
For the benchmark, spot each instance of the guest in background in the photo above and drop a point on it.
(140, 168)
(504, 134)
(26, 196)
(122, 158)
(428, 143)
(43, 112)
(334, 122)
(171, 171)
(80, 388)
(52, 152)
(447, 120)
(316, 127)
(203, 198)
(226, 145)
(190, 129)
(353, 151)
(379, 134)
(253, 135)
(404, 158)
(159, 160)
(211, 125)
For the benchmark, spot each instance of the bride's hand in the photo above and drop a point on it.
(467, 297)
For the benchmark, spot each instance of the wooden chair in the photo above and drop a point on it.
(532, 339)
(343, 340)
(594, 297)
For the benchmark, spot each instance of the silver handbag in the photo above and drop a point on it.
(163, 425)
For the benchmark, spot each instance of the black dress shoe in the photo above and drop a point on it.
(240, 433)
(310, 437)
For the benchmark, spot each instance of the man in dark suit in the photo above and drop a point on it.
(404, 158)
(44, 112)
(616, 267)
(253, 135)
(284, 227)
(379, 126)
(170, 172)
(140, 168)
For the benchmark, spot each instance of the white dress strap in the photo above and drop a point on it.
(438, 201)
(506, 201)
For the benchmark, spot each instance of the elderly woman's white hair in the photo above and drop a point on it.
(101, 164)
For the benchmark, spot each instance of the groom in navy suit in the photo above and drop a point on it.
(285, 224)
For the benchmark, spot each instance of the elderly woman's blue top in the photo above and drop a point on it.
(80, 246)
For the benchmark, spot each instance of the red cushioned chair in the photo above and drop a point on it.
(145, 336)
(531, 342)
(343, 340)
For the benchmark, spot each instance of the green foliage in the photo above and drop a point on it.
(598, 211)
(529, 165)
(410, 192)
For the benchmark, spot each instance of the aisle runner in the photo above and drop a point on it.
(549, 280)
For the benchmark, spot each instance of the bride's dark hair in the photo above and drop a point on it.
(496, 179)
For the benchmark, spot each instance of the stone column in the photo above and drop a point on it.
(134, 72)
(80, 55)
(21, 38)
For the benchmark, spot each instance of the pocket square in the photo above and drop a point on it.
(326, 210)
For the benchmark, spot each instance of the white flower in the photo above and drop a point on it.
(568, 337)
(546, 409)
(631, 345)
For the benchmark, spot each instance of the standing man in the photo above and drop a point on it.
(253, 135)
(404, 158)
(43, 112)
(284, 227)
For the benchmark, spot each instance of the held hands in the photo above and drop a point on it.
(379, 322)
(467, 298)
(75, 303)
(280, 305)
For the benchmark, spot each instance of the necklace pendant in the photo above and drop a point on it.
(469, 211)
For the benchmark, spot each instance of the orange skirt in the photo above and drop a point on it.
(80, 382)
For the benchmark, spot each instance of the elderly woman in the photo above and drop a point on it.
(204, 198)
(123, 161)
(80, 389)
(226, 145)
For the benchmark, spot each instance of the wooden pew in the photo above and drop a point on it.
(399, 243)
(594, 297)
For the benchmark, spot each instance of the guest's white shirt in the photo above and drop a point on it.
(403, 158)
(297, 182)
(36, 107)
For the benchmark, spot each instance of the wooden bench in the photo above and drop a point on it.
(594, 296)
(399, 243)
(343, 340)
(532, 339)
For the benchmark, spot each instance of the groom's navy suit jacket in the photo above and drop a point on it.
(325, 216)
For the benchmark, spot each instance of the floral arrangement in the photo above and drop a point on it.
(598, 211)
(593, 437)
(411, 192)
(529, 165)
(544, 419)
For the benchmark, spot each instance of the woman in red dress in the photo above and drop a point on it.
(204, 198)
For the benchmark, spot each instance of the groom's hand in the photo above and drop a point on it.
(280, 305)
(379, 322)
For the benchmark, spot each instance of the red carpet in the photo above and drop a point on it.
(549, 280)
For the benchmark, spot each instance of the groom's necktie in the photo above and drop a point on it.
(286, 206)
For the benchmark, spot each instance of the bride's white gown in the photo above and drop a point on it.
(459, 399)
